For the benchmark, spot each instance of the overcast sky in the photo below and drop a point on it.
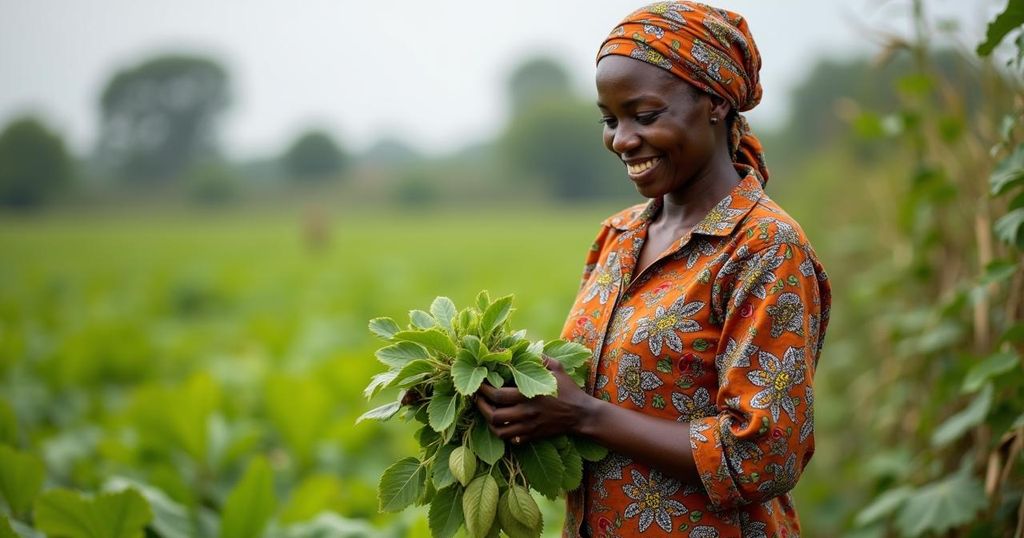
(431, 73)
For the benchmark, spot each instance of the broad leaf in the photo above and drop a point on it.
(992, 366)
(381, 413)
(170, 519)
(524, 508)
(65, 513)
(378, 382)
(1007, 21)
(401, 484)
(960, 423)
(384, 327)
(483, 300)
(496, 314)
(432, 339)
(570, 354)
(251, 504)
(21, 478)
(885, 504)
(474, 346)
(487, 446)
(443, 310)
(497, 356)
(462, 463)
(5, 528)
(466, 375)
(542, 466)
(533, 379)
(442, 407)
(573, 475)
(943, 505)
(480, 504)
(1010, 228)
(8, 424)
(412, 373)
(495, 379)
(445, 514)
(440, 470)
(511, 526)
(421, 319)
(400, 354)
(588, 449)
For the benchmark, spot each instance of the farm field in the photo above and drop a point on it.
(171, 352)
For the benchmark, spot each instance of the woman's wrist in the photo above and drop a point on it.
(589, 417)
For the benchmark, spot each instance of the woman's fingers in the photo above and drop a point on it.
(502, 397)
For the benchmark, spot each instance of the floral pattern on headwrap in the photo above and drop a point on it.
(711, 49)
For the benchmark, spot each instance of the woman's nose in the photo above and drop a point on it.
(625, 139)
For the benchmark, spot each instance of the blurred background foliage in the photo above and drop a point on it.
(182, 336)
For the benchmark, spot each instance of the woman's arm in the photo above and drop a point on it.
(660, 443)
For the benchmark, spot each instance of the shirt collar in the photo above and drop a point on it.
(721, 220)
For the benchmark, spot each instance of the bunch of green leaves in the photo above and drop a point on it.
(468, 475)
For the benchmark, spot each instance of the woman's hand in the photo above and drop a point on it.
(513, 417)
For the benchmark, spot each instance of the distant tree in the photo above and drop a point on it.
(160, 117)
(34, 164)
(313, 155)
(558, 141)
(536, 80)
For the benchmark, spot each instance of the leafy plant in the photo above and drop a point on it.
(467, 475)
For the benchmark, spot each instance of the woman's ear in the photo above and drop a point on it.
(720, 108)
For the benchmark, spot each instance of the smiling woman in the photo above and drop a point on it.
(705, 307)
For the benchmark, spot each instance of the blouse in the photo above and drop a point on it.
(724, 332)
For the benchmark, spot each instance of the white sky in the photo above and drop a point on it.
(431, 73)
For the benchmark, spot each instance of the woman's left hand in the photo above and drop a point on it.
(516, 418)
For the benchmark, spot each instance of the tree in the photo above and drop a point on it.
(34, 163)
(313, 155)
(535, 80)
(160, 117)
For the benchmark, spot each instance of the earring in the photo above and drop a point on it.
(714, 119)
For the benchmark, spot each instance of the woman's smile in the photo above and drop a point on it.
(640, 169)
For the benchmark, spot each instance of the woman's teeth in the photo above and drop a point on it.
(638, 168)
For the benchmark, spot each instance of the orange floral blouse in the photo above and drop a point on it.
(723, 332)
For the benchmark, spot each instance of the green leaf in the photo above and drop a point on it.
(440, 469)
(1013, 334)
(251, 504)
(533, 379)
(378, 382)
(65, 513)
(946, 504)
(445, 514)
(496, 314)
(466, 375)
(5, 528)
(993, 365)
(463, 464)
(487, 446)
(8, 424)
(1007, 21)
(479, 505)
(573, 463)
(998, 271)
(483, 300)
(442, 407)
(432, 339)
(542, 466)
(443, 310)
(170, 519)
(384, 327)
(524, 508)
(883, 505)
(421, 319)
(960, 423)
(412, 373)
(400, 354)
(1010, 228)
(21, 478)
(571, 354)
(1009, 173)
(401, 484)
(495, 379)
(512, 526)
(315, 494)
(474, 346)
(497, 356)
(381, 413)
(588, 449)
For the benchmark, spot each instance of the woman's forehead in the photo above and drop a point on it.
(624, 76)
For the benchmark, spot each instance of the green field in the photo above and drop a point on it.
(169, 350)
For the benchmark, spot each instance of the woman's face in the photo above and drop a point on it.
(657, 124)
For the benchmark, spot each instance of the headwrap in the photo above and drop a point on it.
(708, 47)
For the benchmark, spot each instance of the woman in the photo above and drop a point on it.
(705, 307)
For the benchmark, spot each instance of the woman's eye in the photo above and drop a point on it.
(647, 119)
(608, 121)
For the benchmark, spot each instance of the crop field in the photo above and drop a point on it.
(203, 358)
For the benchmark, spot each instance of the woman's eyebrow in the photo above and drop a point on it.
(633, 101)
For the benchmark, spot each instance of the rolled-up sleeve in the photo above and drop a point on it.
(774, 305)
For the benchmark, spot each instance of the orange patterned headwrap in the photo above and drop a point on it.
(708, 47)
